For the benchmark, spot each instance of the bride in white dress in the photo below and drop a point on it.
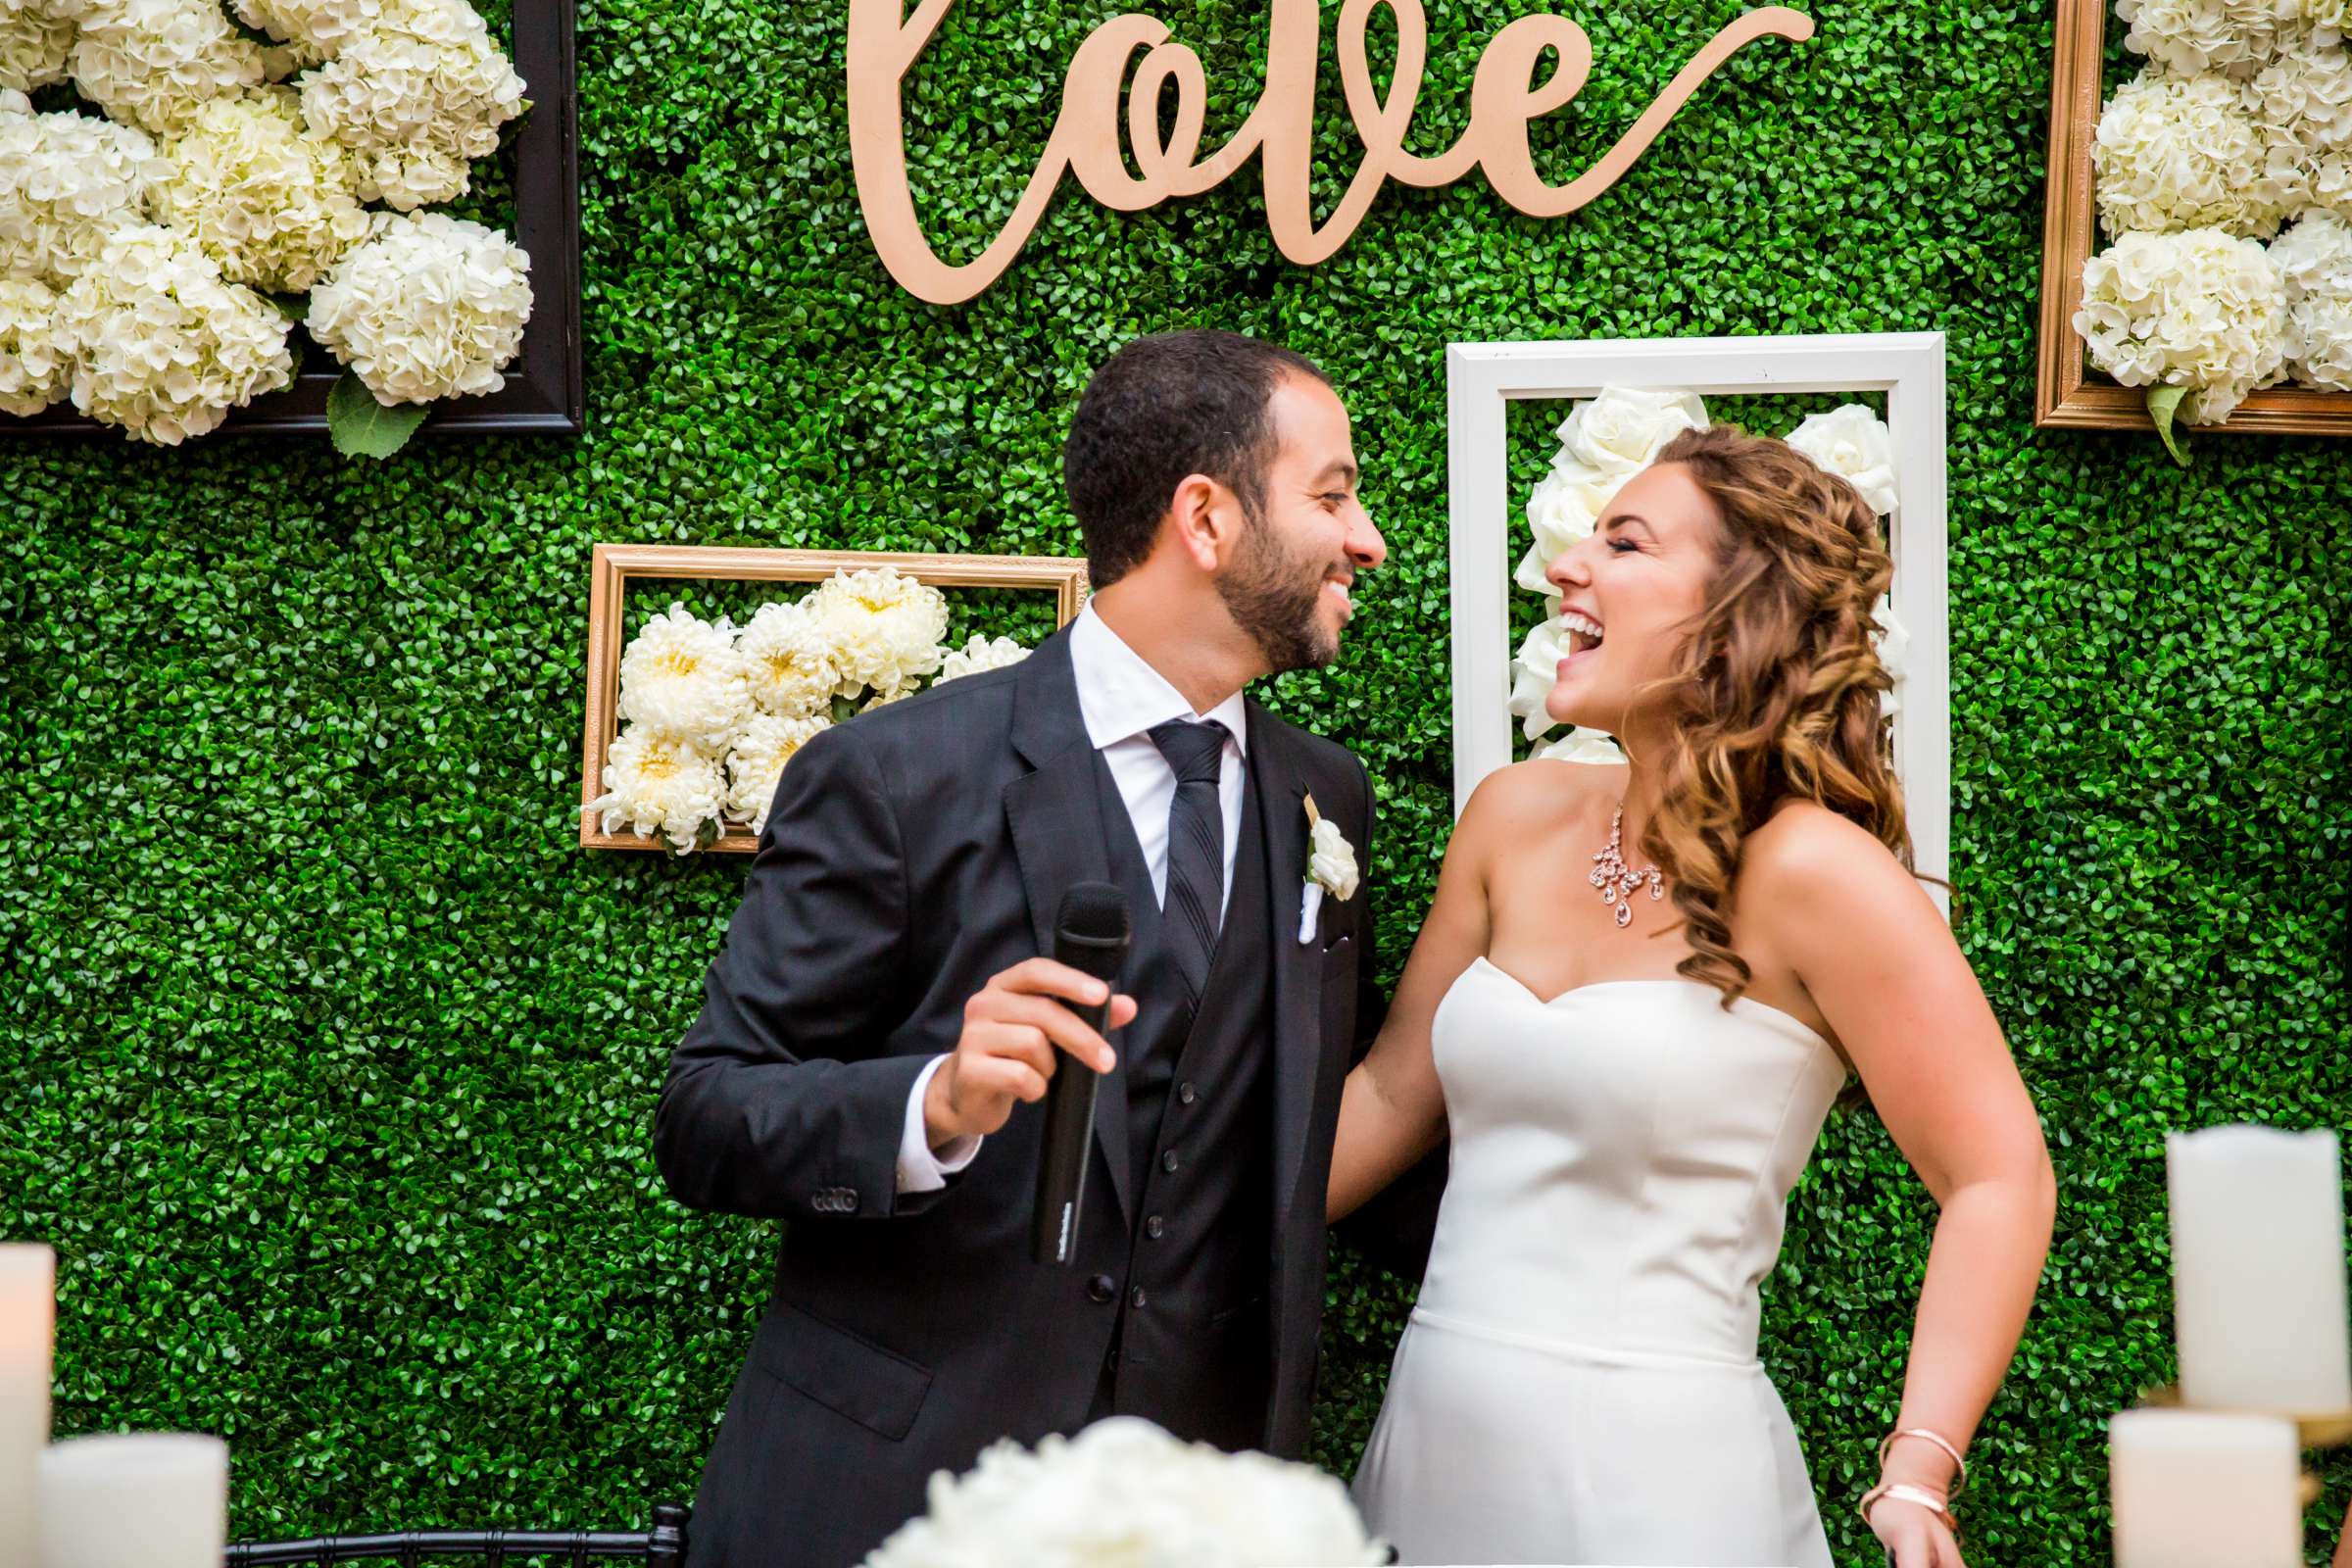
(1632, 1082)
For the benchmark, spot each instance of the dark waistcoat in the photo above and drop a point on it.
(1191, 1350)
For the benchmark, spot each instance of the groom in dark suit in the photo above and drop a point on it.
(879, 1025)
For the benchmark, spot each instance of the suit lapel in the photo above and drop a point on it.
(1282, 784)
(1055, 818)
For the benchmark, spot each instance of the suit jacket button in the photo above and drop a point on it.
(1168, 1162)
(1156, 1227)
(1101, 1288)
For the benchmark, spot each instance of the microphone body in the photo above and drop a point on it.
(1090, 935)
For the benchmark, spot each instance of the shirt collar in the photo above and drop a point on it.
(1120, 696)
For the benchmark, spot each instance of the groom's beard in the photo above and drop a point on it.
(1275, 598)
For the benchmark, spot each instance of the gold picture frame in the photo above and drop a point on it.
(2066, 396)
(613, 565)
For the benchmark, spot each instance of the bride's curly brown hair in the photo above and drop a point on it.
(1778, 687)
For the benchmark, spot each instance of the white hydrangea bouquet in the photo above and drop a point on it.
(153, 261)
(1603, 443)
(2241, 123)
(1123, 1493)
(711, 713)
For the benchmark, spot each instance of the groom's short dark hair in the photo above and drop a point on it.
(1165, 406)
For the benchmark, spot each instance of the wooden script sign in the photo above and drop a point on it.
(885, 41)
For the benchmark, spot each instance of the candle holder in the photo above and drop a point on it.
(2330, 1430)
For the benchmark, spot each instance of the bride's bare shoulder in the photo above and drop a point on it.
(1512, 804)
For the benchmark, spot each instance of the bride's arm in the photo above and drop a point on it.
(1879, 961)
(1393, 1111)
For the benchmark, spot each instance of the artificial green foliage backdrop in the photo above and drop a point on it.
(328, 1057)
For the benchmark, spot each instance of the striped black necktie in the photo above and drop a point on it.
(1195, 899)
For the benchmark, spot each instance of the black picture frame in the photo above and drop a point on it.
(545, 391)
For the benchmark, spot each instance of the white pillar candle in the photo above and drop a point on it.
(135, 1499)
(2205, 1489)
(2258, 1270)
(27, 1326)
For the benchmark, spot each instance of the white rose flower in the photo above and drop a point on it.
(68, 182)
(684, 679)
(1125, 1492)
(160, 344)
(1564, 507)
(977, 654)
(2199, 309)
(1619, 432)
(1582, 745)
(1893, 644)
(416, 97)
(34, 41)
(1854, 443)
(277, 206)
(883, 629)
(756, 760)
(427, 307)
(2174, 154)
(1534, 672)
(2191, 36)
(33, 373)
(787, 660)
(155, 62)
(1331, 859)
(655, 785)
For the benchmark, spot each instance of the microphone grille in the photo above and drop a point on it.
(1094, 911)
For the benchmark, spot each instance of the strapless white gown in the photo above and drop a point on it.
(1579, 1382)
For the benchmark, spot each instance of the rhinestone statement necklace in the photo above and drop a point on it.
(1618, 883)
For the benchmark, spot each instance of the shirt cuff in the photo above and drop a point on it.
(921, 1168)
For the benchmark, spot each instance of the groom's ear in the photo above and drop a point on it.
(1204, 521)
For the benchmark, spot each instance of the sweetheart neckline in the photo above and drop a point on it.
(1528, 991)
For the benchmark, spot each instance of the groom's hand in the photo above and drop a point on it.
(1014, 1032)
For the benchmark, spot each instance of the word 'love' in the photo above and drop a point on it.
(885, 41)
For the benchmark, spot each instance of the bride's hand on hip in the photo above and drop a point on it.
(1913, 1535)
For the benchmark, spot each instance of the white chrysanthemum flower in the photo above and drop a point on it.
(155, 62)
(416, 97)
(1619, 432)
(2174, 154)
(34, 42)
(315, 29)
(1123, 1491)
(32, 373)
(427, 307)
(684, 679)
(787, 660)
(277, 206)
(1535, 670)
(2192, 36)
(68, 182)
(977, 654)
(1854, 443)
(164, 346)
(656, 785)
(1564, 507)
(2199, 309)
(756, 760)
(1582, 745)
(883, 629)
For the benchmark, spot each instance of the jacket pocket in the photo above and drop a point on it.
(878, 1389)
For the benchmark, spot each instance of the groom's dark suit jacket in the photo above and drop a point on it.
(912, 854)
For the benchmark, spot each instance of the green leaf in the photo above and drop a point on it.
(362, 427)
(2163, 402)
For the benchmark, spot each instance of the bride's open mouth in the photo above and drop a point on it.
(1584, 637)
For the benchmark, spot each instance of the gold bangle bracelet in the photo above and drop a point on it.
(1885, 1443)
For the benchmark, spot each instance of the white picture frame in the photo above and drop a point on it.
(1486, 521)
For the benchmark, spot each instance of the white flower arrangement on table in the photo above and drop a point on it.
(1607, 440)
(268, 180)
(711, 713)
(2241, 123)
(1123, 1493)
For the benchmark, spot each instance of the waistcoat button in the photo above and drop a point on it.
(1101, 1288)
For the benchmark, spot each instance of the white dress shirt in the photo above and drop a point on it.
(1121, 700)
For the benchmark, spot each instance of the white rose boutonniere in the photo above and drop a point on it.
(1331, 859)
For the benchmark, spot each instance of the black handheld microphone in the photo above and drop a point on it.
(1089, 936)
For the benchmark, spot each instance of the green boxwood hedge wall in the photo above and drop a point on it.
(329, 1057)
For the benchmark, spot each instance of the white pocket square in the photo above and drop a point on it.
(1312, 906)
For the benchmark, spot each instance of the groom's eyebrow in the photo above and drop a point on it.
(1344, 472)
